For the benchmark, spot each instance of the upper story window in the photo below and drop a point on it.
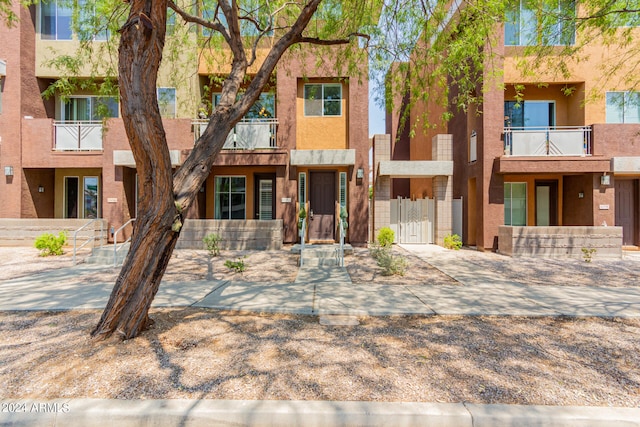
(167, 102)
(323, 99)
(530, 114)
(57, 20)
(623, 107)
(263, 108)
(529, 24)
(88, 108)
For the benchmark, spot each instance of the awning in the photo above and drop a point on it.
(625, 165)
(125, 158)
(415, 168)
(323, 157)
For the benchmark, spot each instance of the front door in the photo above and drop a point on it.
(546, 203)
(322, 211)
(264, 197)
(625, 208)
(71, 197)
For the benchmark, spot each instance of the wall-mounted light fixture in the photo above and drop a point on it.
(605, 179)
(8, 171)
(360, 173)
(581, 195)
(40, 188)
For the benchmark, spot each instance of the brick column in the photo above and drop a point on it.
(442, 149)
(382, 184)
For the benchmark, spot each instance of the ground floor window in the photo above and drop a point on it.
(91, 205)
(230, 197)
(515, 203)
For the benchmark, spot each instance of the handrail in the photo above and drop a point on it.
(115, 241)
(303, 233)
(341, 249)
(75, 236)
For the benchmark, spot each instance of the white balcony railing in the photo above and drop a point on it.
(249, 134)
(551, 141)
(78, 136)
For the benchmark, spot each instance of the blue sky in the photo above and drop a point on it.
(376, 116)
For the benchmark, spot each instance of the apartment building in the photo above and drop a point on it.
(551, 164)
(304, 143)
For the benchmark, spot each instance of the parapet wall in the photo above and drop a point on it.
(236, 234)
(560, 242)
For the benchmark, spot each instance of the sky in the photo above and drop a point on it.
(376, 116)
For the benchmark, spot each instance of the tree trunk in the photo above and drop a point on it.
(157, 227)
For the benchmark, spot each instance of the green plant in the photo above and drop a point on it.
(587, 254)
(386, 236)
(391, 264)
(452, 241)
(48, 244)
(301, 217)
(212, 244)
(239, 266)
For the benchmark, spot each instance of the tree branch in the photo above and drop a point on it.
(187, 17)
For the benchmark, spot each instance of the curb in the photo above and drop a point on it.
(196, 413)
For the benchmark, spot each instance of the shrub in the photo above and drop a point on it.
(48, 244)
(386, 236)
(212, 244)
(452, 241)
(391, 265)
(239, 265)
(587, 254)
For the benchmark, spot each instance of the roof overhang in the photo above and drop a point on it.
(323, 157)
(125, 158)
(625, 165)
(553, 164)
(415, 168)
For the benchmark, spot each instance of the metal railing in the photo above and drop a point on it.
(303, 236)
(340, 251)
(248, 134)
(116, 248)
(78, 136)
(548, 141)
(89, 239)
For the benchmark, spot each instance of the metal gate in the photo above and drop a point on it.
(412, 220)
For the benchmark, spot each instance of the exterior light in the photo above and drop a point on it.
(40, 189)
(605, 179)
(8, 171)
(360, 173)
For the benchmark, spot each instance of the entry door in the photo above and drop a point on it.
(71, 197)
(264, 200)
(546, 203)
(625, 209)
(322, 211)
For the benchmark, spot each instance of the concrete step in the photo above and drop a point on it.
(104, 255)
(319, 262)
(348, 249)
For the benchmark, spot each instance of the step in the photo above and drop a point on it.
(104, 255)
(319, 262)
(348, 249)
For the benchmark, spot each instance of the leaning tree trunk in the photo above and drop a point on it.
(154, 238)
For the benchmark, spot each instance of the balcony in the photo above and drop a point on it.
(249, 134)
(78, 136)
(549, 141)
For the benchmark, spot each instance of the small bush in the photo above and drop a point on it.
(391, 265)
(452, 241)
(48, 244)
(587, 254)
(239, 266)
(386, 236)
(212, 244)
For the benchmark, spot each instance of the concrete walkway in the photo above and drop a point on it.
(322, 291)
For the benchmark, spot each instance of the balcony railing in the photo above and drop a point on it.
(551, 141)
(78, 136)
(249, 134)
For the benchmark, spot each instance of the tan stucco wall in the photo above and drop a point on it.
(59, 188)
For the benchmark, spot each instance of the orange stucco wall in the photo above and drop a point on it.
(321, 132)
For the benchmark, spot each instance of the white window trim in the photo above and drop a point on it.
(304, 100)
(624, 93)
(302, 189)
(343, 185)
(62, 105)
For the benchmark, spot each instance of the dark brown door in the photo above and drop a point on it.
(625, 210)
(322, 196)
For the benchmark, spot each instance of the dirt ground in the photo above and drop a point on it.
(201, 353)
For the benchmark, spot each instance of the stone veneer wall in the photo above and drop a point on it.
(560, 242)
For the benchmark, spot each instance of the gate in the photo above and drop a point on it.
(412, 220)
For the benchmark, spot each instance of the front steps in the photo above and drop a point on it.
(320, 255)
(104, 255)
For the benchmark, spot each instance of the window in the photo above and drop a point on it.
(57, 20)
(91, 197)
(263, 108)
(230, 197)
(515, 203)
(623, 107)
(323, 99)
(343, 189)
(302, 189)
(530, 114)
(528, 24)
(167, 102)
(86, 108)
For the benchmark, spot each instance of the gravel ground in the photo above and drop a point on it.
(200, 353)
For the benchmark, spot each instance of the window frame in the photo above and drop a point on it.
(217, 208)
(322, 99)
(635, 119)
(75, 8)
(92, 99)
(173, 102)
(526, 197)
(522, 26)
